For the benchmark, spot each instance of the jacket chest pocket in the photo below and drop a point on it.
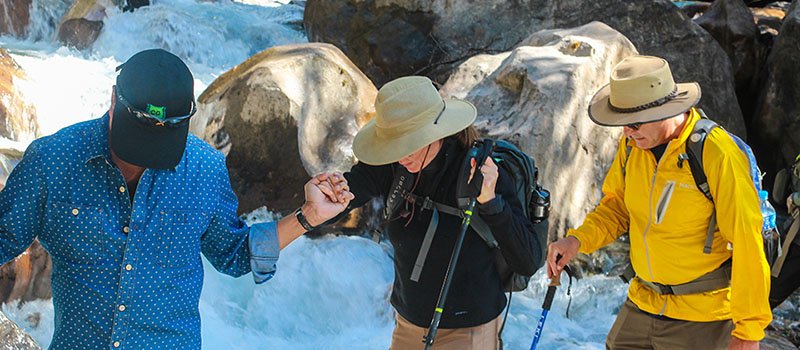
(76, 233)
(179, 236)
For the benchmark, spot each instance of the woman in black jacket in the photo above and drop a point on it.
(415, 131)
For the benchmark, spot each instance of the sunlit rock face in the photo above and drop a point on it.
(18, 120)
(537, 95)
(306, 99)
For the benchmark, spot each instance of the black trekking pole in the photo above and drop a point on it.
(448, 279)
(451, 267)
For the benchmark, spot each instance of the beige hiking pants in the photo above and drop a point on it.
(407, 336)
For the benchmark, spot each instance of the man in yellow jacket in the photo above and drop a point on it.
(649, 192)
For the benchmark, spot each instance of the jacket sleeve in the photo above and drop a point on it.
(515, 235)
(367, 182)
(739, 220)
(610, 219)
(230, 245)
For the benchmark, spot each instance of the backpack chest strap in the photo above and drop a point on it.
(477, 224)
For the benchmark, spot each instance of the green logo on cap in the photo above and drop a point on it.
(156, 111)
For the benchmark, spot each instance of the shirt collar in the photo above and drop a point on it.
(98, 140)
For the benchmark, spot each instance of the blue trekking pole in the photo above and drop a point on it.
(548, 301)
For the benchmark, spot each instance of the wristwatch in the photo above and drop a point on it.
(302, 219)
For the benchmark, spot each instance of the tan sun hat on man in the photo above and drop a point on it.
(642, 90)
(409, 115)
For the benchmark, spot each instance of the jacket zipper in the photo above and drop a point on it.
(650, 219)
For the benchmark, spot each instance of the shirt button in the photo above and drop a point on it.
(128, 267)
(122, 189)
(121, 308)
(116, 344)
(75, 211)
(126, 229)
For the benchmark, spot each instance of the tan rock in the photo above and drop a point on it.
(17, 117)
(307, 100)
(537, 96)
(82, 23)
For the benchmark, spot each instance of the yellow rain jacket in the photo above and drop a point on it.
(667, 217)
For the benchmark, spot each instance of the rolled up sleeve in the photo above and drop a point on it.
(264, 251)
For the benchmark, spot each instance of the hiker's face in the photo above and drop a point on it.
(649, 135)
(418, 160)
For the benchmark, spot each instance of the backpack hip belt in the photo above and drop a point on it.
(714, 280)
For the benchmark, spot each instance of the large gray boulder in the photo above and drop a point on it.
(391, 38)
(307, 100)
(14, 338)
(537, 95)
(776, 127)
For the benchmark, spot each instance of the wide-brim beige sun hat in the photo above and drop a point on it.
(409, 114)
(642, 90)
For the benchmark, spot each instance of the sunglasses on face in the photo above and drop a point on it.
(157, 117)
(634, 126)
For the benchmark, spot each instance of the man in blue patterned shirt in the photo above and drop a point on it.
(125, 204)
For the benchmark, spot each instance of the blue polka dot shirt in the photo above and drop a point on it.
(128, 276)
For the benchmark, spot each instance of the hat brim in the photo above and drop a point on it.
(372, 149)
(153, 147)
(601, 113)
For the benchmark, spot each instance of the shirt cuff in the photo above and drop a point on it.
(264, 251)
(492, 207)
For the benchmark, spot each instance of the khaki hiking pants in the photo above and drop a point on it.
(407, 336)
(635, 329)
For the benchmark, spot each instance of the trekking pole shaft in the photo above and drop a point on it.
(539, 328)
(548, 301)
(448, 277)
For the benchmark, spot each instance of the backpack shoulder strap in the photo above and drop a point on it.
(401, 184)
(628, 149)
(694, 149)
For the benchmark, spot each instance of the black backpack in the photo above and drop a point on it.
(524, 175)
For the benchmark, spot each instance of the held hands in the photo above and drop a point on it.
(567, 248)
(490, 175)
(326, 195)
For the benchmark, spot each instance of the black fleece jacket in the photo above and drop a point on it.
(476, 295)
